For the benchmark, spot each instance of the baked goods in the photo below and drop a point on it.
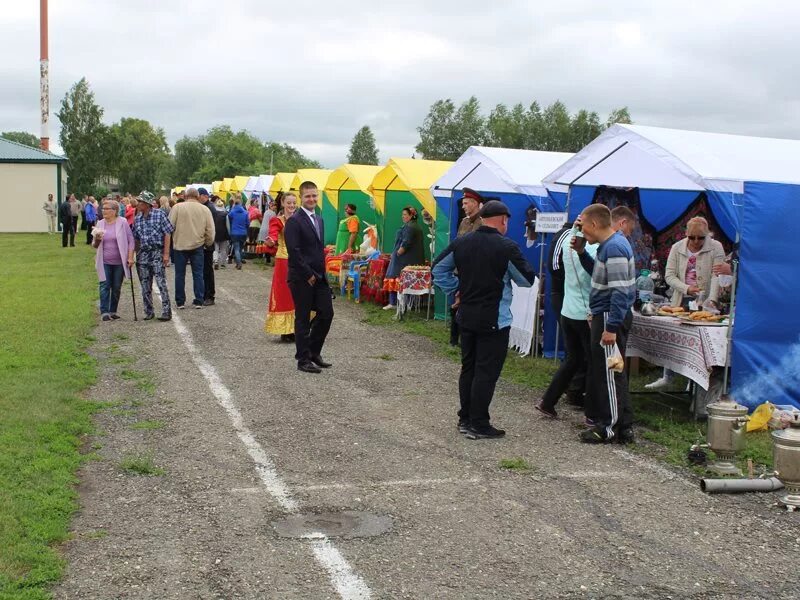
(615, 363)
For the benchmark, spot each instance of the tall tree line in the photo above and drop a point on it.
(448, 131)
(137, 154)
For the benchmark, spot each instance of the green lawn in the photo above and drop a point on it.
(47, 310)
(663, 421)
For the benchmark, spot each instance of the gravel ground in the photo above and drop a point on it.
(379, 435)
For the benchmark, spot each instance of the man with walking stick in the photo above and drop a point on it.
(152, 232)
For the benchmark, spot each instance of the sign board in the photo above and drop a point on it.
(550, 222)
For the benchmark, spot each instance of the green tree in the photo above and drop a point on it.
(189, 156)
(82, 137)
(362, 149)
(585, 127)
(286, 158)
(533, 128)
(619, 115)
(506, 128)
(447, 132)
(137, 152)
(22, 137)
(557, 128)
(167, 173)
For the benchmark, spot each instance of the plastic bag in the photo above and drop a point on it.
(615, 362)
(759, 420)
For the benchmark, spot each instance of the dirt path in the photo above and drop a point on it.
(247, 439)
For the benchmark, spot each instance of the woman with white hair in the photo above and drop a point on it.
(689, 273)
(115, 246)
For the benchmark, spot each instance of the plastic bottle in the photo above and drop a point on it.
(644, 286)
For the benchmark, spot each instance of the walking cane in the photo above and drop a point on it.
(133, 296)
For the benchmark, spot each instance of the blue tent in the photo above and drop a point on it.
(752, 187)
(513, 176)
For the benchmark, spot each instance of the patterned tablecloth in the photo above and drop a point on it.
(413, 281)
(691, 350)
(372, 287)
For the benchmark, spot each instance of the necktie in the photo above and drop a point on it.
(316, 224)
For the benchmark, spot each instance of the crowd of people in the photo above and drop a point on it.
(592, 262)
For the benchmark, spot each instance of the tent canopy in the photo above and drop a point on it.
(239, 183)
(215, 187)
(408, 174)
(658, 158)
(500, 170)
(263, 183)
(282, 182)
(225, 188)
(318, 176)
(251, 184)
(350, 177)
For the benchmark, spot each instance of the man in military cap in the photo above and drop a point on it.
(471, 202)
(481, 267)
(152, 231)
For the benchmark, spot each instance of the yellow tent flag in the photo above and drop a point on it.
(412, 175)
(281, 183)
(349, 177)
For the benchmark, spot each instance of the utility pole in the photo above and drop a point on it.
(44, 76)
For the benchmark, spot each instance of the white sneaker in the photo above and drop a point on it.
(659, 383)
(390, 307)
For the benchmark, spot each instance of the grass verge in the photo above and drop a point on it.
(665, 422)
(140, 463)
(47, 296)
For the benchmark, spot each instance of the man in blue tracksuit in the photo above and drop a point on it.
(480, 266)
(613, 291)
(239, 221)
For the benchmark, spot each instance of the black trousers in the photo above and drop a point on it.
(89, 226)
(454, 328)
(577, 335)
(67, 232)
(611, 404)
(310, 334)
(482, 359)
(208, 274)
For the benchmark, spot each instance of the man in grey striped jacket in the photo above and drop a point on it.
(613, 293)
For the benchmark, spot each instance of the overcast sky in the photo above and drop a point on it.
(312, 73)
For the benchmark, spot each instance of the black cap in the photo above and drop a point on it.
(494, 208)
(202, 192)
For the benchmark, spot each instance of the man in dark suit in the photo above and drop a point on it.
(304, 234)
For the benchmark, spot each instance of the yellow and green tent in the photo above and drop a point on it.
(281, 183)
(237, 186)
(349, 184)
(405, 182)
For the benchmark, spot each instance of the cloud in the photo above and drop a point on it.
(311, 74)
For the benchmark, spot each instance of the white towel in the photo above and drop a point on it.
(523, 312)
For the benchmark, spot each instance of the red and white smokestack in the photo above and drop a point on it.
(44, 76)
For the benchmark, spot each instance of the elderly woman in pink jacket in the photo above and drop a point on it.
(115, 246)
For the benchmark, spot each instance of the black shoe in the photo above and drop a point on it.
(484, 433)
(115, 316)
(165, 318)
(216, 267)
(208, 302)
(318, 360)
(463, 426)
(149, 317)
(106, 317)
(286, 338)
(626, 436)
(308, 367)
(550, 413)
(595, 435)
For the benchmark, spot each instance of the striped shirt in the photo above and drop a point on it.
(613, 280)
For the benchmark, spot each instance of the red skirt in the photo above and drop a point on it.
(280, 313)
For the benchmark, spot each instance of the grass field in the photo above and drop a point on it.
(664, 421)
(47, 296)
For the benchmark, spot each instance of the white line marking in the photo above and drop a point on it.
(651, 466)
(395, 483)
(348, 584)
(240, 304)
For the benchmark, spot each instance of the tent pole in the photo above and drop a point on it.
(555, 350)
(536, 311)
(726, 372)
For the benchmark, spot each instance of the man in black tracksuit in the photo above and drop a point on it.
(208, 253)
(485, 262)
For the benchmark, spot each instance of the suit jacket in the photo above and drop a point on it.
(306, 249)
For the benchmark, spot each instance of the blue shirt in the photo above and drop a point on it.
(239, 220)
(577, 282)
(613, 280)
(91, 213)
(149, 231)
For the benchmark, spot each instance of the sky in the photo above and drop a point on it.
(312, 73)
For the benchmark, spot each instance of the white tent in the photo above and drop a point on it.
(500, 170)
(252, 185)
(658, 158)
(263, 184)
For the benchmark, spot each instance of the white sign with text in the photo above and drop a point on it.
(550, 222)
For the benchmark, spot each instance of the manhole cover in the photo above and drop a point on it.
(346, 524)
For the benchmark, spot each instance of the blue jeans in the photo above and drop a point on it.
(110, 288)
(195, 259)
(238, 240)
